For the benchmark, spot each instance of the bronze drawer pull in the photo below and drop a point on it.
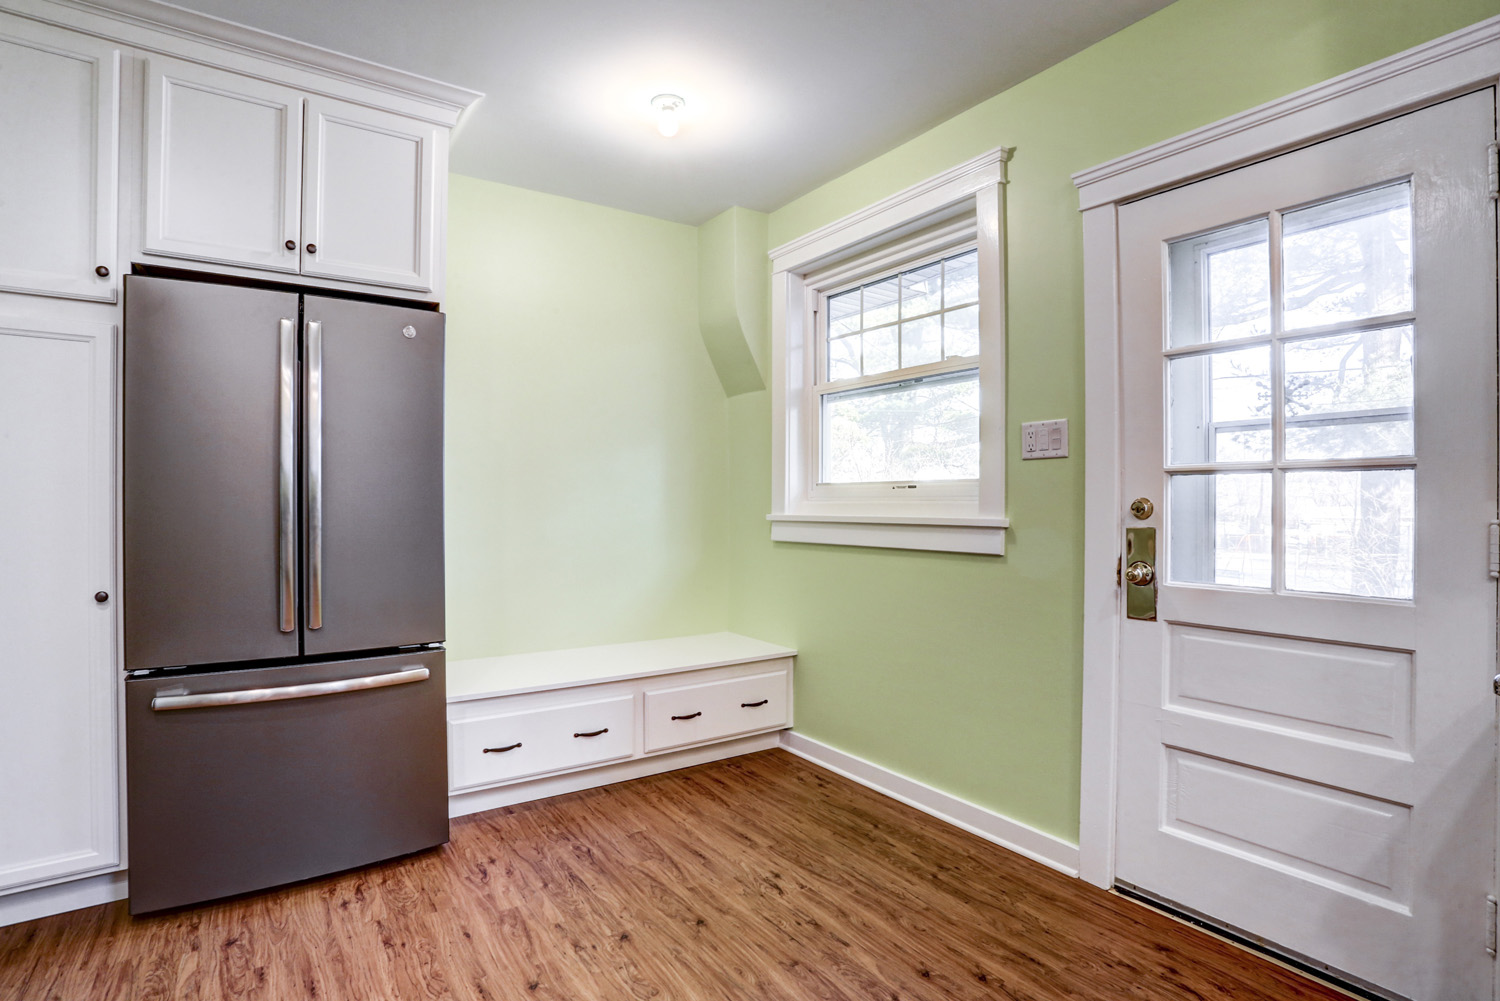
(594, 734)
(689, 716)
(753, 705)
(502, 750)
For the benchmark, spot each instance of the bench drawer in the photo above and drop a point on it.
(712, 709)
(493, 749)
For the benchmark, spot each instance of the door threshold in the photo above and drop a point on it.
(1292, 960)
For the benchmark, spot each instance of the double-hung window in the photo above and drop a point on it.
(888, 379)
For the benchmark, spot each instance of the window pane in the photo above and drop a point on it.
(1350, 531)
(961, 279)
(1219, 528)
(880, 351)
(843, 359)
(922, 290)
(1219, 407)
(1350, 396)
(882, 302)
(1349, 258)
(916, 430)
(922, 341)
(1220, 285)
(961, 333)
(843, 313)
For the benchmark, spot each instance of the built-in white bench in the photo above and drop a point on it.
(526, 726)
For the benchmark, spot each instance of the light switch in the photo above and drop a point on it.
(1044, 440)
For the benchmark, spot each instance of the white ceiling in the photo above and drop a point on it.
(782, 95)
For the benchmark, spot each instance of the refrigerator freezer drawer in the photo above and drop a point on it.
(245, 779)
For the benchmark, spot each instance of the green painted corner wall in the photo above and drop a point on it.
(965, 672)
(587, 454)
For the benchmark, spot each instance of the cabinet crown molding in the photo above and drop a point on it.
(192, 25)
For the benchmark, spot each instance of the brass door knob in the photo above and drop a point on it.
(1139, 574)
(1142, 507)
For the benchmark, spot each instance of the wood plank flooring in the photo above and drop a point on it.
(762, 877)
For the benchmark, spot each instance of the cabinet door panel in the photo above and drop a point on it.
(223, 166)
(57, 714)
(369, 196)
(59, 116)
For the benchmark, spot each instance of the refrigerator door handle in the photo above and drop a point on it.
(315, 474)
(207, 700)
(286, 543)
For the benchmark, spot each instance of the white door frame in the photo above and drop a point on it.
(1447, 67)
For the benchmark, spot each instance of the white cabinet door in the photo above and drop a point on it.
(370, 193)
(57, 671)
(223, 166)
(59, 119)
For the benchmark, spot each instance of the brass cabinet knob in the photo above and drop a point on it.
(1139, 574)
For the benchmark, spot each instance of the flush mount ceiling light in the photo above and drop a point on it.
(666, 107)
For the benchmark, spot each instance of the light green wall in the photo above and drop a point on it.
(964, 672)
(586, 435)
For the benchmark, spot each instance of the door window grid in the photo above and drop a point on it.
(1278, 441)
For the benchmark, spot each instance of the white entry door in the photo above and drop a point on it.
(1307, 732)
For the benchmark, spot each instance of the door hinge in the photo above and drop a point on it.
(1494, 152)
(1495, 550)
(1493, 927)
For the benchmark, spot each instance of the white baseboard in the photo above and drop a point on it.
(1018, 837)
(477, 800)
(26, 905)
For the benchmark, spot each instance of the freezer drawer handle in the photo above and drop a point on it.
(689, 716)
(502, 750)
(594, 734)
(208, 700)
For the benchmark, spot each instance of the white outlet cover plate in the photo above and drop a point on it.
(1044, 440)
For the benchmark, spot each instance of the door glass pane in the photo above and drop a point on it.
(926, 429)
(1219, 529)
(1349, 396)
(1351, 531)
(1219, 407)
(1348, 259)
(1219, 285)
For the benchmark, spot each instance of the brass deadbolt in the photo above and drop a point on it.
(1140, 574)
(1142, 507)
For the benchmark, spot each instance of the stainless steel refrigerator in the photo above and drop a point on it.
(283, 586)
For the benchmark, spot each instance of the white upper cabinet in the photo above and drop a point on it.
(59, 153)
(368, 195)
(223, 167)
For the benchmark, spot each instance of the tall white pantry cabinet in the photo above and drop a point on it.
(134, 135)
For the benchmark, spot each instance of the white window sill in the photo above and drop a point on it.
(985, 536)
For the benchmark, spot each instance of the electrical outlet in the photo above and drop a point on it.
(1044, 440)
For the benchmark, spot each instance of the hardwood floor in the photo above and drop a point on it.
(761, 877)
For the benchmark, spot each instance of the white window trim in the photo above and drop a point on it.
(972, 521)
